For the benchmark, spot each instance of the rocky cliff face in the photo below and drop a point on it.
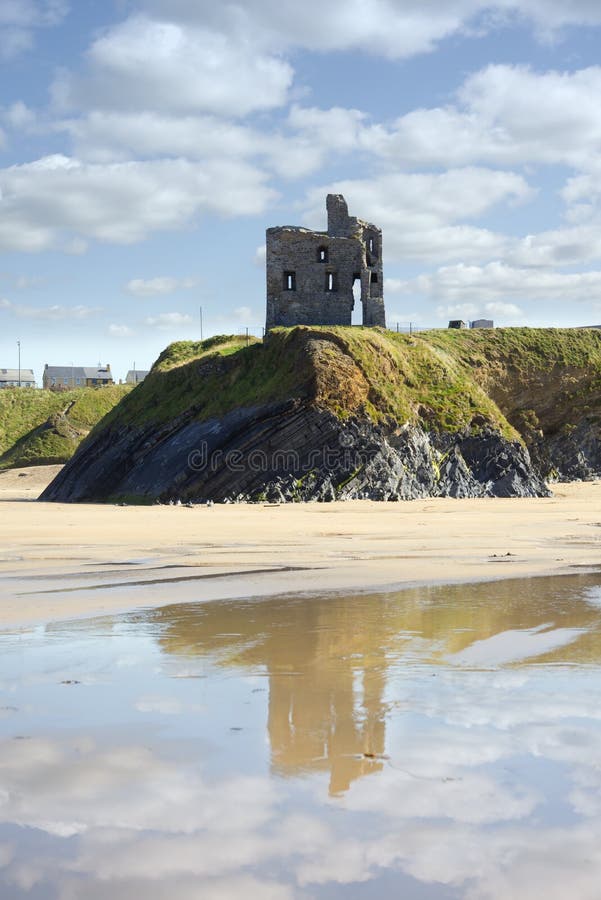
(314, 432)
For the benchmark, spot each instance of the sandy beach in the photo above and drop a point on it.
(62, 561)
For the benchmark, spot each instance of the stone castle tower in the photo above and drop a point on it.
(311, 274)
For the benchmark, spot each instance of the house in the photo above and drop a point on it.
(457, 323)
(63, 378)
(135, 376)
(482, 323)
(17, 378)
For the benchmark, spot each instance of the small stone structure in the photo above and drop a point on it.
(311, 274)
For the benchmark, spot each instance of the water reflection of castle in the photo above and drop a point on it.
(327, 660)
(326, 671)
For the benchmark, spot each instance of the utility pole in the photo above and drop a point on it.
(201, 335)
(135, 377)
(19, 346)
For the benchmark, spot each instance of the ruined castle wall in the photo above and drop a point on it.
(310, 274)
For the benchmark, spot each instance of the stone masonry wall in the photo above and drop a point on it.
(310, 274)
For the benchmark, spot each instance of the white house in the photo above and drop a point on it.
(17, 378)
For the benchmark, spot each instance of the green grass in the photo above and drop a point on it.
(513, 379)
(33, 430)
(518, 380)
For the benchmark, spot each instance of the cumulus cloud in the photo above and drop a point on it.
(498, 281)
(56, 312)
(156, 287)
(120, 331)
(43, 203)
(20, 18)
(168, 320)
(417, 211)
(144, 63)
(503, 114)
(25, 282)
(395, 28)
(18, 115)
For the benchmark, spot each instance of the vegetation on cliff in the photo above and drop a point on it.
(319, 413)
(42, 427)
(521, 381)
(514, 379)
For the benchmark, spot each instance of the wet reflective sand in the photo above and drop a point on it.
(434, 743)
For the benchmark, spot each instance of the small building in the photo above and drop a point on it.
(457, 323)
(482, 323)
(64, 378)
(311, 275)
(17, 378)
(136, 376)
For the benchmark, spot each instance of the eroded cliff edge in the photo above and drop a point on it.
(325, 413)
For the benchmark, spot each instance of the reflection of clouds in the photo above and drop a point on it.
(468, 797)
(145, 820)
(248, 888)
(164, 705)
(151, 824)
(484, 784)
(514, 645)
(516, 863)
(7, 853)
(70, 790)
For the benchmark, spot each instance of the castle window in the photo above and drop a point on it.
(322, 254)
(374, 277)
(331, 282)
(289, 281)
(371, 246)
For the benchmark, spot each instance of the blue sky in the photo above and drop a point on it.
(145, 145)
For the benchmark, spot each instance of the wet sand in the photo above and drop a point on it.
(61, 561)
(437, 743)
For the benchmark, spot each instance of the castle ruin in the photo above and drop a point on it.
(311, 274)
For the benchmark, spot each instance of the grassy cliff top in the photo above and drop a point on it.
(39, 427)
(443, 380)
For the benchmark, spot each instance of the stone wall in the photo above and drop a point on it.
(310, 274)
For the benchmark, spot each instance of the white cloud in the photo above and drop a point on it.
(18, 20)
(169, 320)
(392, 28)
(25, 282)
(145, 64)
(155, 287)
(497, 281)
(45, 203)
(18, 116)
(505, 115)
(245, 314)
(56, 312)
(416, 211)
(120, 331)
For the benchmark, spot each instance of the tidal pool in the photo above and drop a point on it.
(431, 743)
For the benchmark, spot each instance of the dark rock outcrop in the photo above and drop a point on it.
(571, 454)
(293, 451)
